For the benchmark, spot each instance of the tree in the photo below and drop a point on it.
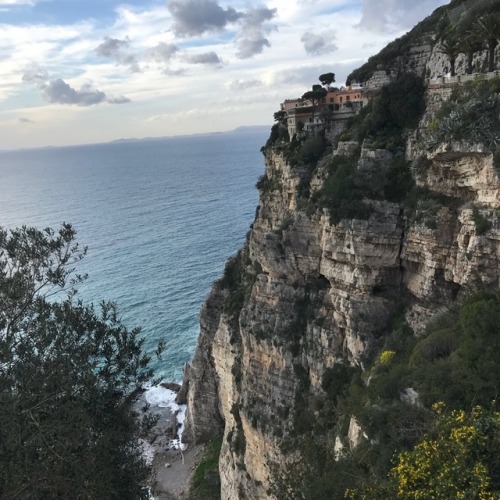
(315, 96)
(470, 44)
(488, 28)
(280, 117)
(450, 46)
(327, 79)
(66, 374)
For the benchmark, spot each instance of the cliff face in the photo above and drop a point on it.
(323, 294)
(309, 292)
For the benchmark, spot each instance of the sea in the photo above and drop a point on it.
(160, 217)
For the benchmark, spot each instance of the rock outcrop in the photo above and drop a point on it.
(322, 295)
(306, 293)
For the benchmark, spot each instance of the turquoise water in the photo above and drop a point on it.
(159, 217)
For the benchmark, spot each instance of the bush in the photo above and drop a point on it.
(472, 114)
(342, 192)
(279, 133)
(396, 108)
(206, 480)
(483, 225)
(386, 357)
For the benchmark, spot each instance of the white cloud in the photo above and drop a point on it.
(17, 2)
(241, 84)
(394, 15)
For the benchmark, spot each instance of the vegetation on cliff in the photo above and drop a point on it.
(471, 114)
(454, 364)
(66, 373)
(459, 458)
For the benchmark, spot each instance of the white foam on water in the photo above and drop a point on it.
(162, 397)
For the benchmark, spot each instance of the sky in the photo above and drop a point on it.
(88, 71)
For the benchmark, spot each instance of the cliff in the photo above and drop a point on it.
(387, 227)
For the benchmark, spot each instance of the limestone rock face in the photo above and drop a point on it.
(317, 293)
(322, 295)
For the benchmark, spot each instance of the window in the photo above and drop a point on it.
(340, 98)
(347, 97)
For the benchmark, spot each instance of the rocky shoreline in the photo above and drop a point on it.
(173, 461)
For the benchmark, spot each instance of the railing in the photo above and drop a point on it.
(458, 79)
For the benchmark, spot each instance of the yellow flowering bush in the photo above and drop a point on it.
(460, 460)
(386, 357)
(457, 463)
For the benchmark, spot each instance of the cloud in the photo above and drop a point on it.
(205, 58)
(118, 100)
(384, 16)
(195, 17)
(251, 39)
(25, 120)
(117, 50)
(173, 72)
(17, 2)
(317, 44)
(162, 52)
(240, 84)
(305, 75)
(35, 74)
(112, 47)
(59, 92)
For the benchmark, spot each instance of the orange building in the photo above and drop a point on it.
(342, 97)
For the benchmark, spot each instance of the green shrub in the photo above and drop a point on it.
(483, 225)
(279, 133)
(266, 185)
(396, 108)
(206, 481)
(238, 279)
(472, 114)
(341, 191)
(422, 205)
(312, 149)
(336, 380)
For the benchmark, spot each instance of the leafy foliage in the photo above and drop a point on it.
(397, 107)
(206, 480)
(471, 114)
(305, 151)
(327, 78)
(459, 459)
(279, 133)
(483, 225)
(315, 95)
(66, 373)
(346, 188)
(238, 279)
